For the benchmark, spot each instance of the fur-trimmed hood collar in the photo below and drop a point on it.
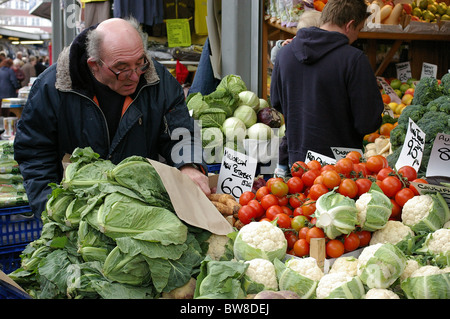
(72, 71)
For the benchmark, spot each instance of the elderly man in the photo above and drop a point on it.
(106, 93)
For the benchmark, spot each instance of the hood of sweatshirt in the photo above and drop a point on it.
(311, 44)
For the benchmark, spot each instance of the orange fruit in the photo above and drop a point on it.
(386, 129)
(318, 5)
(371, 137)
(386, 98)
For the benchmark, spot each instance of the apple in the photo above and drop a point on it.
(407, 7)
(410, 91)
(407, 99)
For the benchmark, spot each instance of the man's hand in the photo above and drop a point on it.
(198, 177)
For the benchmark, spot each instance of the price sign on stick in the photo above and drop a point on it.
(439, 163)
(412, 150)
(403, 71)
(236, 173)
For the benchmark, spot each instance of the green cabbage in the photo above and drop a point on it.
(431, 284)
(196, 104)
(212, 117)
(246, 114)
(234, 129)
(249, 98)
(336, 214)
(374, 209)
(224, 99)
(260, 131)
(232, 82)
(212, 142)
(380, 265)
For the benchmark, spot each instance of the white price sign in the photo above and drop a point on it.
(236, 173)
(412, 150)
(403, 71)
(322, 159)
(341, 152)
(389, 90)
(428, 70)
(439, 163)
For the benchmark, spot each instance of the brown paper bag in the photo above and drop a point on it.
(190, 203)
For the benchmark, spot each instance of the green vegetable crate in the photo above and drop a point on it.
(18, 227)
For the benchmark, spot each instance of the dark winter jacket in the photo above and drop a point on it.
(8, 83)
(327, 91)
(61, 115)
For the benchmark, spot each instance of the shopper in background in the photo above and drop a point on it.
(326, 87)
(19, 58)
(18, 71)
(39, 67)
(8, 81)
(2, 56)
(106, 93)
(29, 70)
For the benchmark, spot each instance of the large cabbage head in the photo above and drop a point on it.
(425, 213)
(380, 265)
(427, 282)
(374, 210)
(260, 240)
(300, 275)
(196, 104)
(232, 82)
(336, 214)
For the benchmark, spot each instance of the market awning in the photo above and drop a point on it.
(24, 33)
(41, 8)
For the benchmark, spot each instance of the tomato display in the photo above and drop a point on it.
(334, 248)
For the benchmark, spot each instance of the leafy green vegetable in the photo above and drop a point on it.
(232, 82)
(224, 99)
(213, 117)
(196, 104)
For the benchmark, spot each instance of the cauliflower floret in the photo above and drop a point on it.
(393, 233)
(329, 282)
(416, 209)
(345, 264)
(307, 267)
(427, 271)
(263, 235)
(381, 293)
(440, 241)
(364, 257)
(217, 245)
(411, 266)
(361, 205)
(262, 271)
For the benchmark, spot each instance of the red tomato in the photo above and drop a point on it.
(331, 178)
(364, 237)
(308, 208)
(417, 180)
(287, 210)
(318, 180)
(309, 176)
(390, 186)
(348, 187)
(403, 195)
(261, 192)
(351, 241)
(396, 212)
(257, 206)
(298, 211)
(334, 248)
(291, 238)
(355, 156)
(360, 170)
(314, 164)
(268, 200)
(273, 210)
(246, 214)
(279, 188)
(295, 185)
(375, 163)
(408, 172)
(301, 247)
(298, 168)
(314, 232)
(283, 201)
(246, 197)
(385, 172)
(297, 200)
(328, 167)
(344, 166)
(283, 220)
(317, 190)
(272, 180)
(364, 185)
(302, 232)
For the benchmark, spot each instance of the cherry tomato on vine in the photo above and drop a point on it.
(301, 247)
(309, 176)
(298, 222)
(295, 185)
(297, 200)
(331, 178)
(385, 172)
(246, 214)
(283, 201)
(348, 187)
(390, 186)
(291, 238)
(317, 190)
(261, 192)
(351, 241)
(375, 163)
(396, 211)
(302, 232)
(279, 188)
(257, 206)
(314, 164)
(273, 210)
(364, 185)
(360, 170)
(314, 232)
(408, 172)
(308, 208)
(268, 200)
(355, 156)
(364, 237)
(298, 168)
(344, 166)
(328, 167)
(403, 195)
(334, 248)
(246, 197)
(272, 180)
(287, 210)
(283, 220)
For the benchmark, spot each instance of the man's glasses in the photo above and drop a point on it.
(125, 74)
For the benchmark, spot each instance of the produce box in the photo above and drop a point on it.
(11, 290)
(18, 226)
(10, 257)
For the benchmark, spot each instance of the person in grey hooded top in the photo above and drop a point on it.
(325, 87)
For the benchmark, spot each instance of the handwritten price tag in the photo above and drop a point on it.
(322, 159)
(236, 173)
(341, 152)
(403, 71)
(389, 90)
(412, 150)
(439, 163)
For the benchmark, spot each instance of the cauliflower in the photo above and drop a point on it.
(374, 209)
(260, 240)
(262, 271)
(217, 244)
(380, 293)
(345, 264)
(427, 282)
(439, 241)
(340, 285)
(306, 266)
(411, 266)
(425, 213)
(393, 233)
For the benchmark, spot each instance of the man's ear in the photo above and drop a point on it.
(350, 25)
(92, 64)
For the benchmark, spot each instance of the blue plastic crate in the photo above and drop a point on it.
(10, 257)
(18, 226)
(214, 168)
